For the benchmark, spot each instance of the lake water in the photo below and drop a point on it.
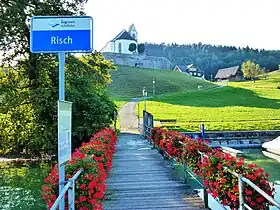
(20, 184)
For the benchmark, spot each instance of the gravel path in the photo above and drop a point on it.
(128, 118)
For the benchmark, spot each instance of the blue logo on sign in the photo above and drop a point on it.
(61, 35)
(55, 25)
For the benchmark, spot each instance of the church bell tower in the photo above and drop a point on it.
(132, 31)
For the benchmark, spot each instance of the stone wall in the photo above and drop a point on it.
(142, 61)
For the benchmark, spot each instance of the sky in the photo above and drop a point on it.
(255, 23)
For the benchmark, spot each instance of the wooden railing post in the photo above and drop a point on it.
(241, 192)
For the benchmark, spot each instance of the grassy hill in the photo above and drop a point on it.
(128, 82)
(239, 106)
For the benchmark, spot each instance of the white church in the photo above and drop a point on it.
(121, 42)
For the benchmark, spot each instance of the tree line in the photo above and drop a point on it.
(211, 58)
(29, 84)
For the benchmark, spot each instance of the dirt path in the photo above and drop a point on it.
(128, 118)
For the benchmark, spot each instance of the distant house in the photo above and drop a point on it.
(229, 74)
(194, 71)
(177, 68)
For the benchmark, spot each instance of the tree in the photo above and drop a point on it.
(29, 87)
(250, 70)
(141, 48)
(29, 115)
(132, 47)
(211, 58)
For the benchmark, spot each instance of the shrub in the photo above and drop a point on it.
(132, 47)
(95, 158)
(219, 182)
(141, 48)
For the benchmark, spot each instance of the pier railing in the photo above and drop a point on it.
(146, 133)
(241, 183)
(70, 187)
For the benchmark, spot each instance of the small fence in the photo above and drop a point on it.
(146, 133)
(70, 187)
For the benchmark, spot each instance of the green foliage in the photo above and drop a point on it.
(132, 47)
(251, 70)
(129, 82)
(240, 106)
(141, 48)
(211, 58)
(13, 28)
(29, 83)
(29, 115)
(16, 113)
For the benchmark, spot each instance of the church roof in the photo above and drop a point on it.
(123, 35)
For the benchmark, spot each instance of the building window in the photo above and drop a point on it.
(120, 47)
(199, 74)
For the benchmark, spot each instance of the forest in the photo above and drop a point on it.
(211, 58)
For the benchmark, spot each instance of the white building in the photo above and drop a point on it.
(121, 42)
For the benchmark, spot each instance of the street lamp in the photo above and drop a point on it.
(154, 82)
(145, 93)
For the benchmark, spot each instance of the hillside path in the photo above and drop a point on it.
(128, 118)
(140, 178)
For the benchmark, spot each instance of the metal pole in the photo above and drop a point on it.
(138, 115)
(241, 192)
(61, 60)
(205, 198)
(115, 121)
(71, 196)
(202, 132)
(154, 92)
(205, 194)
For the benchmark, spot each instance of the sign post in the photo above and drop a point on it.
(62, 34)
(202, 130)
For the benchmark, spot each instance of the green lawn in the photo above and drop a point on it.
(239, 106)
(128, 82)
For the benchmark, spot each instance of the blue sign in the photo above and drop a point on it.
(52, 34)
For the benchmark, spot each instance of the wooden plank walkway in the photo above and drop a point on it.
(141, 179)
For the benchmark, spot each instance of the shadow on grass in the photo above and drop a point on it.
(222, 97)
